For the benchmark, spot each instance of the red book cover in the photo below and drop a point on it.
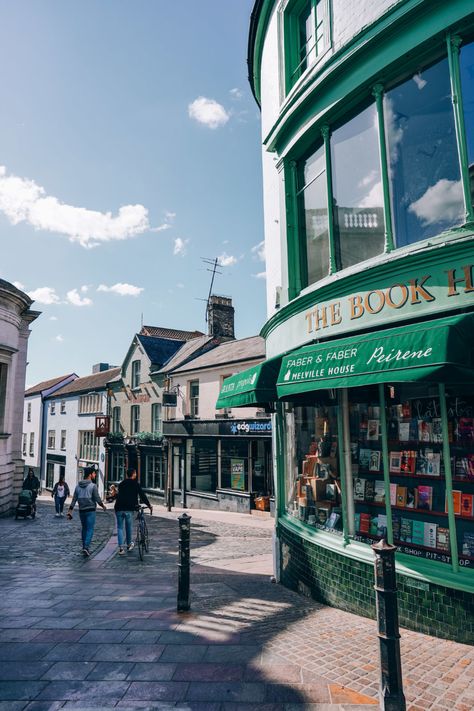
(364, 523)
(467, 505)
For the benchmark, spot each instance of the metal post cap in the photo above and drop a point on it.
(184, 518)
(383, 548)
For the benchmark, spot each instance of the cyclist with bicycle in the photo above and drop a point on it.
(126, 503)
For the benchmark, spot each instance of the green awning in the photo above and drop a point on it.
(436, 351)
(254, 386)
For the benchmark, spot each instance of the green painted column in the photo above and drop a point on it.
(378, 91)
(280, 461)
(385, 460)
(295, 281)
(454, 44)
(342, 467)
(448, 478)
(325, 132)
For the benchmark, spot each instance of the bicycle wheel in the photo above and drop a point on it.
(146, 537)
(140, 540)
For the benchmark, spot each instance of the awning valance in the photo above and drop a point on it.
(437, 351)
(254, 386)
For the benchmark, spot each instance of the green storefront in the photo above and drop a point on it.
(373, 340)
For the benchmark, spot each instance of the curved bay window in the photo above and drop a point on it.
(399, 171)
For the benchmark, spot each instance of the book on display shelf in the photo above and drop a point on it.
(468, 544)
(374, 460)
(465, 429)
(418, 533)
(369, 490)
(373, 430)
(364, 458)
(395, 460)
(425, 431)
(392, 429)
(467, 505)
(430, 534)
(457, 499)
(357, 522)
(379, 492)
(365, 523)
(461, 467)
(442, 538)
(359, 489)
(406, 529)
(381, 525)
(404, 431)
(401, 496)
(436, 430)
(393, 494)
(412, 497)
(408, 462)
(425, 497)
(373, 525)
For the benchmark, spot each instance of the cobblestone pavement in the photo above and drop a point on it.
(104, 633)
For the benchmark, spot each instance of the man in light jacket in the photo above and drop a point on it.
(87, 496)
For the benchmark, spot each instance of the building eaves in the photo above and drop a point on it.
(228, 353)
(89, 383)
(172, 334)
(47, 384)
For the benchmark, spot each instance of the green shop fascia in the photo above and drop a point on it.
(374, 435)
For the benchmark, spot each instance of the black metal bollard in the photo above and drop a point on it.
(391, 685)
(184, 562)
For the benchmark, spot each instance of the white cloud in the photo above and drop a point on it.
(84, 289)
(236, 93)
(170, 215)
(19, 285)
(74, 298)
(260, 275)
(122, 289)
(59, 338)
(259, 251)
(23, 200)
(44, 295)
(53, 318)
(208, 112)
(442, 202)
(374, 197)
(227, 260)
(161, 228)
(180, 285)
(180, 247)
(421, 83)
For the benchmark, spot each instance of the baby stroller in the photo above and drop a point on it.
(26, 504)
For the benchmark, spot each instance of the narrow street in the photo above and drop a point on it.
(104, 632)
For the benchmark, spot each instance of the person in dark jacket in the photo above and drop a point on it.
(60, 493)
(129, 491)
(87, 496)
(32, 483)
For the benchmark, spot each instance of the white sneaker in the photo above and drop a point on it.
(130, 546)
(57, 515)
(121, 551)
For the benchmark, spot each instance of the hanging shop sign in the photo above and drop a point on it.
(412, 293)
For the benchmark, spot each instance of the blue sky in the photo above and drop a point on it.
(130, 148)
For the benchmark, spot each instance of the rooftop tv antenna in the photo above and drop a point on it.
(213, 267)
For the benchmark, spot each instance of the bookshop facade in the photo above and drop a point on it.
(374, 334)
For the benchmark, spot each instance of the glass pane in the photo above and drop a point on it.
(261, 466)
(314, 216)
(314, 492)
(357, 189)
(467, 82)
(417, 482)
(370, 518)
(204, 465)
(234, 464)
(426, 189)
(306, 36)
(461, 437)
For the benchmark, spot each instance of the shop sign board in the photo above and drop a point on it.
(411, 294)
(237, 474)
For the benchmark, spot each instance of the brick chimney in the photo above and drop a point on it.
(220, 317)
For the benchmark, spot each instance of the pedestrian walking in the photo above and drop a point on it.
(32, 483)
(87, 496)
(60, 493)
(129, 492)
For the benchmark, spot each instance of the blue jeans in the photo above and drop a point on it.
(59, 503)
(87, 523)
(126, 516)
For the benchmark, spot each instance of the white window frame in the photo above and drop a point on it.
(31, 449)
(136, 373)
(63, 407)
(193, 399)
(23, 444)
(51, 439)
(134, 419)
(89, 446)
(28, 412)
(63, 439)
(116, 413)
(156, 418)
(52, 407)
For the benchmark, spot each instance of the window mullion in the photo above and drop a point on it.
(448, 479)
(454, 42)
(325, 132)
(378, 92)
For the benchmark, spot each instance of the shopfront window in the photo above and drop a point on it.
(155, 472)
(313, 488)
(117, 466)
(49, 475)
(467, 82)
(313, 209)
(357, 189)
(261, 460)
(235, 464)
(426, 190)
(461, 433)
(407, 493)
(204, 465)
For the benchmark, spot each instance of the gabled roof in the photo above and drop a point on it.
(190, 350)
(88, 383)
(172, 334)
(227, 353)
(159, 350)
(48, 384)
